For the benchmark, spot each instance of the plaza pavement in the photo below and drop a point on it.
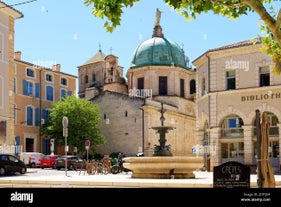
(76, 179)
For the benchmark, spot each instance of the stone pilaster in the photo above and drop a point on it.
(248, 145)
(215, 147)
(199, 134)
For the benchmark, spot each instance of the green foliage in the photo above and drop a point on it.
(83, 119)
(270, 45)
(111, 9)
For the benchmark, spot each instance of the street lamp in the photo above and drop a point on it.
(65, 133)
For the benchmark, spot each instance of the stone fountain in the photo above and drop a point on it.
(162, 149)
(163, 165)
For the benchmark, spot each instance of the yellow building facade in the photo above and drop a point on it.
(36, 88)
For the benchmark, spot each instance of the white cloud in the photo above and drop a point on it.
(205, 36)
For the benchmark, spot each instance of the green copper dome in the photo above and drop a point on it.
(158, 51)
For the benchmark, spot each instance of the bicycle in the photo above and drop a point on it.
(118, 167)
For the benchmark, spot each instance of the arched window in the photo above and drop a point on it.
(232, 126)
(192, 86)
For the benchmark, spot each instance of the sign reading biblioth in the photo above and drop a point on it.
(231, 175)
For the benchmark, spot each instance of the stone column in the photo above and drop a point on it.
(279, 127)
(215, 147)
(248, 144)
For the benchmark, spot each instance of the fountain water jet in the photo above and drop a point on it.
(163, 164)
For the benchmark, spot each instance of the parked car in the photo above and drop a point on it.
(74, 162)
(31, 159)
(48, 161)
(10, 164)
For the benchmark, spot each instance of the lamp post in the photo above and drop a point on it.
(87, 146)
(65, 134)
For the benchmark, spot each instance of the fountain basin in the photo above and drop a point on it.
(163, 167)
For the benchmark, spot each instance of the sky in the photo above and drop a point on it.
(66, 32)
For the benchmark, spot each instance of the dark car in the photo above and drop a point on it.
(74, 162)
(48, 161)
(10, 164)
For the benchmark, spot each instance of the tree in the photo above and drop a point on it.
(83, 118)
(113, 9)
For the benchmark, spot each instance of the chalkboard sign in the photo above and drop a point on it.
(231, 175)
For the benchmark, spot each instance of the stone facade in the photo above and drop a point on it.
(127, 123)
(232, 82)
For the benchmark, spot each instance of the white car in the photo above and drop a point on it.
(31, 159)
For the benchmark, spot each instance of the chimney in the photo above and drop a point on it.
(56, 67)
(17, 55)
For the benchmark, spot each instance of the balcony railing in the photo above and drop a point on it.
(238, 132)
(232, 133)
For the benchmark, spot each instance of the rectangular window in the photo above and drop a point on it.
(181, 87)
(29, 88)
(232, 150)
(50, 93)
(264, 76)
(63, 81)
(30, 72)
(29, 116)
(232, 123)
(163, 86)
(49, 78)
(63, 93)
(230, 80)
(140, 83)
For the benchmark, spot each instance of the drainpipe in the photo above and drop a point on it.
(40, 109)
(143, 126)
(209, 109)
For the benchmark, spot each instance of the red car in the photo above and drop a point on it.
(48, 161)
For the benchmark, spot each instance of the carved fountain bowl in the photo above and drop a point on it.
(163, 167)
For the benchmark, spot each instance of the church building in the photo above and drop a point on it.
(158, 73)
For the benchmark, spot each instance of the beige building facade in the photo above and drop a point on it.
(8, 15)
(233, 82)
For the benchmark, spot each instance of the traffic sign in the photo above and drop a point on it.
(87, 144)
